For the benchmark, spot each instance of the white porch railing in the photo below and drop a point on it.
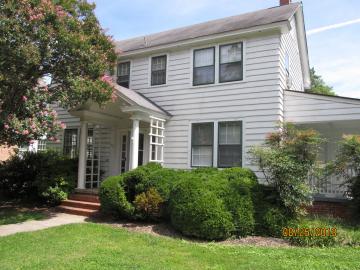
(331, 187)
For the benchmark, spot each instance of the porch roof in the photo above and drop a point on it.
(137, 99)
(303, 107)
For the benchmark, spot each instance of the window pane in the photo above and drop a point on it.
(158, 70)
(231, 72)
(70, 142)
(230, 133)
(123, 69)
(202, 134)
(204, 57)
(204, 75)
(230, 156)
(123, 74)
(230, 53)
(202, 156)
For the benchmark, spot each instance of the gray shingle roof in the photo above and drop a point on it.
(243, 21)
(139, 99)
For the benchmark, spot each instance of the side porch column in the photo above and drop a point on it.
(134, 150)
(82, 154)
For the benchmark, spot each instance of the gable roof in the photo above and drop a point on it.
(243, 21)
(136, 98)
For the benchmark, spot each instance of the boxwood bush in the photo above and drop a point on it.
(196, 211)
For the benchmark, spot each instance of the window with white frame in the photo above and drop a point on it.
(158, 70)
(123, 74)
(204, 66)
(202, 142)
(231, 62)
(230, 144)
(70, 142)
(41, 145)
(157, 128)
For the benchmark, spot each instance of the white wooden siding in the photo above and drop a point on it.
(289, 45)
(308, 108)
(257, 100)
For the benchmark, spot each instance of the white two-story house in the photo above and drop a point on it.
(202, 95)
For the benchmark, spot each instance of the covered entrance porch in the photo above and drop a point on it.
(118, 137)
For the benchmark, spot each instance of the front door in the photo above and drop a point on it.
(125, 151)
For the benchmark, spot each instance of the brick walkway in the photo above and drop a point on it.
(56, 219)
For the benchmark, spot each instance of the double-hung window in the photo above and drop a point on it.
(158, 70)
(70, 142)
(202, 140)
(123, 74)
(204, 66)
(230, 144)
(231, 62)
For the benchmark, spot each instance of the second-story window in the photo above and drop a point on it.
(158, 70)
(231, 62)
(123, 74)
(204, 66)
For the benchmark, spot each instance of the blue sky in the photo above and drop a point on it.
(334, 53)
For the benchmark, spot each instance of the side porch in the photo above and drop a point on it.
(332, 117)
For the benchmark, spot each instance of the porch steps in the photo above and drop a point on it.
(80, 204)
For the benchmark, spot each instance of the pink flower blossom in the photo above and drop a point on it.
(25, 132)
(57, 141)
(24, 98)
(6, 126)
(63, 125)
(106, 78)
(52, 139)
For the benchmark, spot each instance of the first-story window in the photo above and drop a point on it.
(123, 74)
(70, 142)
(204, 66)
(158, 70)
(230, 144)
(41, 145)
(231, 62)
(202, 141)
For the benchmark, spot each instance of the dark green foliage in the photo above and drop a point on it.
(113, 198)
(198, 212)
(44, 177)
(318, 86)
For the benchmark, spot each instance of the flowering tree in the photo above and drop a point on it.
(60, 40)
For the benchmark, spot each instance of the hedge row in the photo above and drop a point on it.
(205, 203)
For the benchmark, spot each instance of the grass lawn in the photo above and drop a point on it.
(13, 215)
(96, 246)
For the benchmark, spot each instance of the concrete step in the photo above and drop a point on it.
(81, 204)
(84, 197)
(77, 211)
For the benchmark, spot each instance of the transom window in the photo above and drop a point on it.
(204, 66)
(70, 142)
(231, 63)
(123, 74)
(202, 137)
(230, 144)
(158, 70)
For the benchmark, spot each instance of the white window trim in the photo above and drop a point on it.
(215, 142)
(217, 63)
(167, 70)
(131, 70)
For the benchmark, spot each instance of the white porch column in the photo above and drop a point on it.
(134, 151)
(82, 154)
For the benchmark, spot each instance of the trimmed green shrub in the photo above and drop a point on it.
(113, 197)
(46, 177)
(198, 212)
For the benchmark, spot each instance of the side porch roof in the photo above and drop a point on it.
(303, 107)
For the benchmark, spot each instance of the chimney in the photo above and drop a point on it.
(284, 2)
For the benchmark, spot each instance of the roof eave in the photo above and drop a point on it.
(278, 26)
